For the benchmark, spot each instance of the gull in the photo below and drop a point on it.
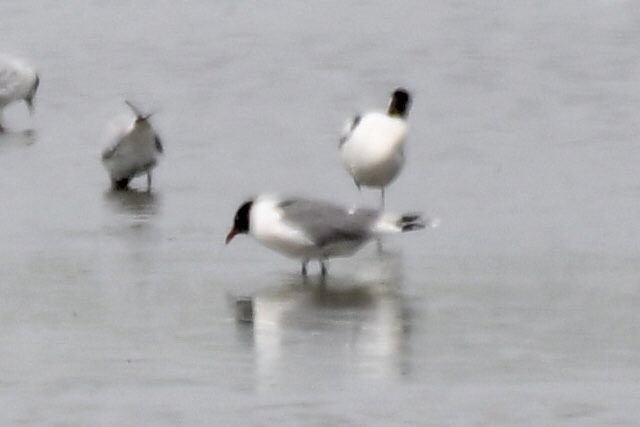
(18, 82)
(372, 145)
(314, 229)
(135, 150)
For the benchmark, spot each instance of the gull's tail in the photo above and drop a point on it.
(140, 116)
(409, 222)
(393, 223)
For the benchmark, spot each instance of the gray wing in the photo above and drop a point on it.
(326, 223)
(109, 152)
(347, 132)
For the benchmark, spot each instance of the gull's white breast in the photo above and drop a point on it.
(269, 228)
(373, 153)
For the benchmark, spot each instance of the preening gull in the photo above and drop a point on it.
(372, 145)
(18, 82)
(134, 150)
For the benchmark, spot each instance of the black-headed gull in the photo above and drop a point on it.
(18, 82)
(372, 145)
(313, 229)
(134, 150)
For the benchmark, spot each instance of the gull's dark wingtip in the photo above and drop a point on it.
(411, 221)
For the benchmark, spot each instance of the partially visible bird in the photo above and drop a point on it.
(372, 145)
(314, 229)
(135, 150)
(18, 82)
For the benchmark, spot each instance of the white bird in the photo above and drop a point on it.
(372, 145)
(313, 229)
(18, 82)
(135, 150)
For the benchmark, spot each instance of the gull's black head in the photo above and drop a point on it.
(400, 103)
(32, 94)
(240, 221)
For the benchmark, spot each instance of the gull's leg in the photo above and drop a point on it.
(379, 239)
(304, 267)
(323, 268)
(149, 182)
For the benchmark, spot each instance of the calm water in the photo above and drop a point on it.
(520, 309)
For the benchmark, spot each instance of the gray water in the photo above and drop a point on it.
(119, 309)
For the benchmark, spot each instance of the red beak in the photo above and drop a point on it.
(230, 236)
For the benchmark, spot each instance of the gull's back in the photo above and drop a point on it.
(132, 150)
(16, 80)
(325, 223)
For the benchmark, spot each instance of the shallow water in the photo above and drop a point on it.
(519, 309)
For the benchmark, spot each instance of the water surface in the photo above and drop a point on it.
(520, 309)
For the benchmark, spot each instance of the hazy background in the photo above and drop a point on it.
(520, 309)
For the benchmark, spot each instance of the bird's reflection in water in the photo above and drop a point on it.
(133, 202)
(9, 138)
(341, 327)
(136, 237)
